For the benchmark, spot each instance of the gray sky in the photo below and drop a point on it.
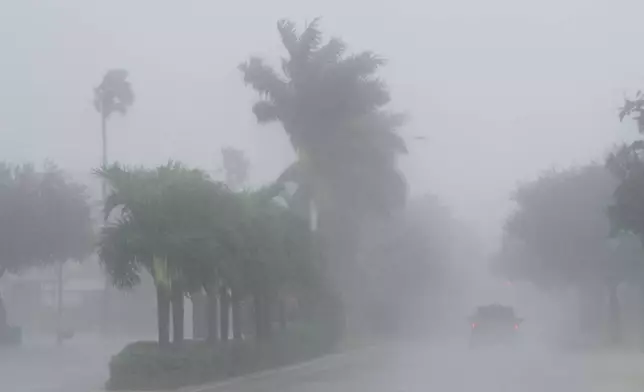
(502, 89)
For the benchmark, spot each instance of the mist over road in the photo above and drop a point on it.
(80, 365)
(40, 365)
(452, 367)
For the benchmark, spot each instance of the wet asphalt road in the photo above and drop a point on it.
(81, 366)
(452, 367)
(40, 365)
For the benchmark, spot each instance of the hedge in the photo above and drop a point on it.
(144, 366)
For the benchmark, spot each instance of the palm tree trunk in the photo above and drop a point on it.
(105, 311)
(615, 325)
(236, 313)
(177, 314)
(59, 300)
(259, 324)
(4, 326)
(262, 316)
(641, 304)
(163, 316)
(282, 313)
(199, 316)
(266, 318)
(224, 314)
(313, 216)
(213, 314)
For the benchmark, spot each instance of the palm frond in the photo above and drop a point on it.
(309, 40)
(114, 94)
(365, 96)
(120, 254)
(266, 112)
(329, 54)
(360, 65)
(264, 80)
(288, 34)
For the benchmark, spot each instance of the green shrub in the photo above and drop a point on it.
(144, 366)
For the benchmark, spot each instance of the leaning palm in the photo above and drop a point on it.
(331, 107)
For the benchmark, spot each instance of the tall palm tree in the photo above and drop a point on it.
(332, 107)
(113, 95)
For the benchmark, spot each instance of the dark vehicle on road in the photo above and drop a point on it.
(494, 325)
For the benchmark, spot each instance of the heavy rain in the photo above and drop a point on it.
(336, 196)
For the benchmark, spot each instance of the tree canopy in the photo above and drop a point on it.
(190, 232)
(331, 105)
(45, 218)
(559, 233)
(166, 213)
(114, 94)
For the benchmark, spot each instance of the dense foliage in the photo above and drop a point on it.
(627, 165)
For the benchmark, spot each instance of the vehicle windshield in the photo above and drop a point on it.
(495, 312)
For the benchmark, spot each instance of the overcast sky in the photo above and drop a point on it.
(502, 89)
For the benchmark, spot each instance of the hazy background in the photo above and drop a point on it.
(501, 89)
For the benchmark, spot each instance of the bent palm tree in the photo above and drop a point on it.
(331, 106)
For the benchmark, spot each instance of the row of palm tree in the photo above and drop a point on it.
(194, 235)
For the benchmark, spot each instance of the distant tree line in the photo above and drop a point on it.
(582, 228)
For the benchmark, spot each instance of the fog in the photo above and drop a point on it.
(496, 93)
(536, 85)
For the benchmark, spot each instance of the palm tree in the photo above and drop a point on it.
(166, 226)
(331, 106)
(113, 95)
